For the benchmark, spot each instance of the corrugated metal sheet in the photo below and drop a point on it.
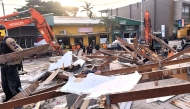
(60, 20)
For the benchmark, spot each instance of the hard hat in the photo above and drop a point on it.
(2, 27)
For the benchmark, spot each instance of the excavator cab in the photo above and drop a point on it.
(155, 44)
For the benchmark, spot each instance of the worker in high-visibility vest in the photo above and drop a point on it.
(170, 53)
(143, 51)
(104, 46)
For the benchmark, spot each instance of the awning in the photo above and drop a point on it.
(104, 33)
(76, 35)
(62, 35)
(92, 33)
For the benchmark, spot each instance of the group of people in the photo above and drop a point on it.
(90, 49)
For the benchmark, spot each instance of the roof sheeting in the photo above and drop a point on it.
(59, 20)
(97, 85)
(127, 21)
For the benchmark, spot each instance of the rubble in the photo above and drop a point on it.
(60, 78)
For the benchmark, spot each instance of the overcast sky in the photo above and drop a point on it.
(97, 4)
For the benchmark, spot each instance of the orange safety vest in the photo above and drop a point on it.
(73, 47)
(104, 46)
(170, 54)
(143, 51)
(78, 46)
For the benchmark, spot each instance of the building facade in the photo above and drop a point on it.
(129, 28)
(162, 12)
(75, 30)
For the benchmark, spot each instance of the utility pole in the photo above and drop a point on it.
(4, 13)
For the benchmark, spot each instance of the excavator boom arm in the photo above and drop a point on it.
(36, 18)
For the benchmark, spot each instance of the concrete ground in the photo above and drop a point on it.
(142, 104)
(138, 104)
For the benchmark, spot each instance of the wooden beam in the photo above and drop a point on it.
(177, 55)
(163, 43)
(31, 99)
(105, 63)
(161, 73)
(51, 77)
(127, 50)
(144, 67)
(78, 101)
(129, 60)
(28, 91)
(49, 89)
(96, 56)
(135, 47)
(138, 51)
(149, 93)
(151, 52)
(21, 54)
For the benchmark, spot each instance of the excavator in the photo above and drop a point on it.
(38, 20)
(151, 43)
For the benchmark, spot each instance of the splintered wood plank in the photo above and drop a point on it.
(181, 76)
(78, 101)
(28, 91)
(151, 52)
(163, 43)
(85, 104)
(138, 51)
(150, 93)
(21, 54)
(31, 99)
(176, 55)
(51, 77)
(136, 47)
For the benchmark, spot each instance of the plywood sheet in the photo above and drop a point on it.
(97, 85)
(66, 60)
(51, 77)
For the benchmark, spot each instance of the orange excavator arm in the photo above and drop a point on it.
(36, 18)
(147, 28)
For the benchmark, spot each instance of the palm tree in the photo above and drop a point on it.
(87, 8)
(110, 24)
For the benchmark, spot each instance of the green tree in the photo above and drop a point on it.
(110, 24)
(45, 7)
(87, 8)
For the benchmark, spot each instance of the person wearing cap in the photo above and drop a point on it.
(10, 79)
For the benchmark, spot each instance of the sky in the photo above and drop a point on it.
(96, 4)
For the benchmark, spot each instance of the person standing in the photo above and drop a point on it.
(9, 71)
(97, 47)
(90, 49)
(84, 49)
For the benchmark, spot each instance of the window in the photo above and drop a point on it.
(65, 40)
(185, 9)
(104, 39)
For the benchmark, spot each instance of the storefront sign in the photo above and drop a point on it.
(116, 31)
(122, 22)
(130, 28)
(85, 30)
(163, 30)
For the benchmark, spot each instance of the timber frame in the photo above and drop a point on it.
(112, 99)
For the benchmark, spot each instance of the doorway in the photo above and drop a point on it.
(78, 40)
(92, 40)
